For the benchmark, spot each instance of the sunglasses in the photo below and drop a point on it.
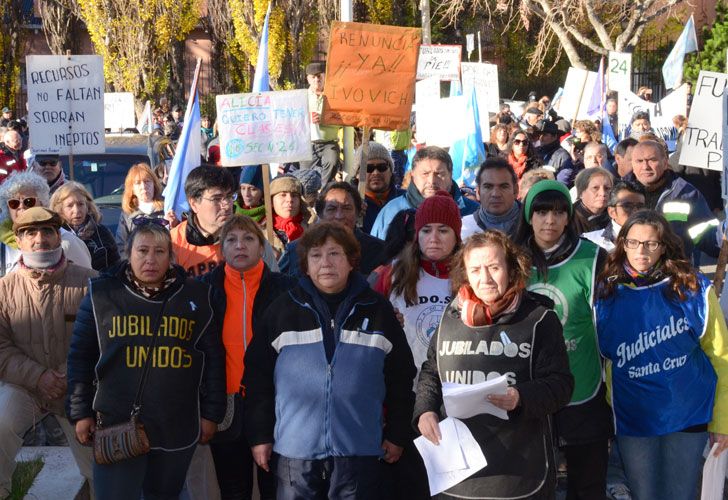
(379, 167)
(47, 163)
(518, 142)
(27, 203)
(143, 221)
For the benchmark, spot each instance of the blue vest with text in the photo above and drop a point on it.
(662, 381)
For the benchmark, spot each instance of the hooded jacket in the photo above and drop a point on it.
(112, 340)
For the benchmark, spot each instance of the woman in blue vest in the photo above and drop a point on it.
(660, 326)
(564, 268)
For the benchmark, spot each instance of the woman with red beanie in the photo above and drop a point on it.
(418, 286)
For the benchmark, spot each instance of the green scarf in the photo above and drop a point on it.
(257, 213)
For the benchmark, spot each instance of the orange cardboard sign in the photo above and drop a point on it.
(370, 75)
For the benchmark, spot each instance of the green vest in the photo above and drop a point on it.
(571, 286)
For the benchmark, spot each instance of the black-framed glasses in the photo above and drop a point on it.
(630, 207)
(518, 142)
(379, 167)
(650, 245)
(142, 220)
(29, 202)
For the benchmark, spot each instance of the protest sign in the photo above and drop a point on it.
(264, 127)
(619, 71)
(119, 111)
(577, 93)
(484, 77)
(66, 104)
(427, 90)
(702, 141)
(724, 121)
(441, 122)
(441, 61)
(370, 75)
(661, 113)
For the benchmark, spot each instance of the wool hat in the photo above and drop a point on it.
(285, 184)
(439, 209)
(37, 216)
(310, 180)
(253, 175)
(540, 187)
(376, 152)
(315, 68)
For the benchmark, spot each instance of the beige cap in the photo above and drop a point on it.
(37, 216)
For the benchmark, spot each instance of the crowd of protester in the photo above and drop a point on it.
(301, 342)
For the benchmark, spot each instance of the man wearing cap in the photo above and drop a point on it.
(550, 150)
(531, 118)
(324, 138)
(178, 115)
(49, 167)
(37, 313)
(6, 117)
(431, 172)
(11, 154)
(381, 188)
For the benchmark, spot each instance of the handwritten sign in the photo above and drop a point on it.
(702, 142)
(724, 175)
(370, 75)
(119, 110)
(441, 61)
(66, 104)
(619, 72)
(484, 78)
(263, 127)
(427, 90)
(441, 122)
(661, 113)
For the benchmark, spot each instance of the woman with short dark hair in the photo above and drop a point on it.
(329, 357)
(145, 316)
(659, 323)
(492, 308)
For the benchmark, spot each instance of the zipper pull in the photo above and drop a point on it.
(333, 326)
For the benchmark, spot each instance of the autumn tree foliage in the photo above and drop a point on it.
(11, 49)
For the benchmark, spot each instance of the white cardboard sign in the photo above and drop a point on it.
(440, 123)
(119, 111)
(440, 61)
(577, 93)
(66, 104)
(661, 113)
(702, 142)
(484, 77)
(619, 71)
(264, 127)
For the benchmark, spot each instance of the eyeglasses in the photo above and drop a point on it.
(650, 245)
(47, 163)
(218, 200)
(379, 167)
(143, 220)
(27, 203)
(518, 142)
(630, 207)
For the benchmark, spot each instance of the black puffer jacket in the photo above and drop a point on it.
(101, 244)
(111, 340)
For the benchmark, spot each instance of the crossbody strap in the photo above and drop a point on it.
(136, 407)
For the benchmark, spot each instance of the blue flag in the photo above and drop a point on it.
(468, 152)
(672, 70)
(261, 80)
(187, 154)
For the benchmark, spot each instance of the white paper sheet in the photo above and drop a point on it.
(457, 457)
(468, 400)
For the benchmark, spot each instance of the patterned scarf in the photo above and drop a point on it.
(474, 312)
(150, 291)
(643, 278)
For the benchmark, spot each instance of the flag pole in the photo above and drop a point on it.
(363, 163)
(265, 172)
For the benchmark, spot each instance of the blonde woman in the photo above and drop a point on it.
(81, 216)
(141, 203)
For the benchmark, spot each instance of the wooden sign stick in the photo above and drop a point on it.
(363, 164)
(265, 171)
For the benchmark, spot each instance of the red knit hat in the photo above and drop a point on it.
(439, 209)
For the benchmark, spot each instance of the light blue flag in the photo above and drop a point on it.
(456, 88)
(261, 80)
(672, 70)
(468, 152)
(186, 156)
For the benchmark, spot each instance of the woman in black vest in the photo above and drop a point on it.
(511, 332)
(242, 288)
(146, 313)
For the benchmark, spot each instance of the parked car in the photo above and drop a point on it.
(103, 174)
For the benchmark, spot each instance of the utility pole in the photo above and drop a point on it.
(426, 30)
